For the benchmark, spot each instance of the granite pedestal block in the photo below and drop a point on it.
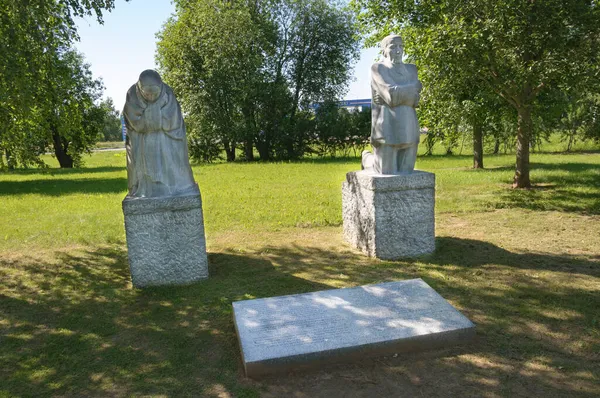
(389, 216)
(165, 240)
(308, 330)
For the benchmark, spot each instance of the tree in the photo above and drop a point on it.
(72, 118)
(578, 115)
(316, 50)
(516, 48)
(245, 70)
(112, 130)
(32, 33)
(455, 106)
(339, 131)
(211, 54)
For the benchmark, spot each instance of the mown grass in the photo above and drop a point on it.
(109, 144)
(81, 206)
(523, 265)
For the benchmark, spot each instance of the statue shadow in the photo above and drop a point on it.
(470, 253)
(509, 314)
(73, 325)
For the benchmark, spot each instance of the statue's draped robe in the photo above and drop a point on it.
(157, 153)
(395, 122)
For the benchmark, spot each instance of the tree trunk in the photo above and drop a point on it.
(477, 145)
(429, 144)
(248, 150)
(250, 129)
(524, 130)
(229, 150)
(571, 140)
(60, 151)
(10, 163)
(497, 146)
(263, 149)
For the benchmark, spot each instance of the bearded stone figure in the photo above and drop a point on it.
(157, 153)
(395, 89)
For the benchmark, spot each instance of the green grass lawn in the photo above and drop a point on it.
(523, 265)
(109, 145)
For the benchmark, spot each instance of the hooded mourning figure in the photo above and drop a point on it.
(395, 89)
(157, 153)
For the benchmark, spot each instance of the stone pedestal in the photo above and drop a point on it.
(389, 216)
(165, 240)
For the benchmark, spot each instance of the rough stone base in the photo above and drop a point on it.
(165, 240)
(389, 216)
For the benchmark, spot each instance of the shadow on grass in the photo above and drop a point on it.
(58, 171)
(63, 186)
(571, 167)
(75, 327)
(537, 334)
(72, 325)
(470, 253)
(567, 187)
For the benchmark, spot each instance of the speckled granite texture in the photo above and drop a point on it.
(287, 333)
(165, 240)
(389, 216)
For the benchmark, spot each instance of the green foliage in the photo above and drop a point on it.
(203, 142)
(112, 130)
(72, 118)
(504, 49)
(245, 71)
(580, 119)
(340, 132)
(35, 35)
(211, 54)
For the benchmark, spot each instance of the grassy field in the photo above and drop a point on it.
(109, 144)
(523, 265)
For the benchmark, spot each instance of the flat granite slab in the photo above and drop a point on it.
(279, 334)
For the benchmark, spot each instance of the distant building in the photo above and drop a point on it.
(351, 105)
(123, 128)
(356, 104)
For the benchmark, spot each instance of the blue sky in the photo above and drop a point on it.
(124, 46)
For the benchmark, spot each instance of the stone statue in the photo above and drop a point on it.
(157, 153)
(395, 90)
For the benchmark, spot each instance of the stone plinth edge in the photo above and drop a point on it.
(132, 205)
(382, 182)
(165, 240)
(389, 216)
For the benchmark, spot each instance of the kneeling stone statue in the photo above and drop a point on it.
(388, 207)
(395, 90)
(163, 208)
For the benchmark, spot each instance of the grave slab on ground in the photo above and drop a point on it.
(285, 333)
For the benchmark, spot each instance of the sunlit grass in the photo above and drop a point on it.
(523, 265)
(82, 206)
